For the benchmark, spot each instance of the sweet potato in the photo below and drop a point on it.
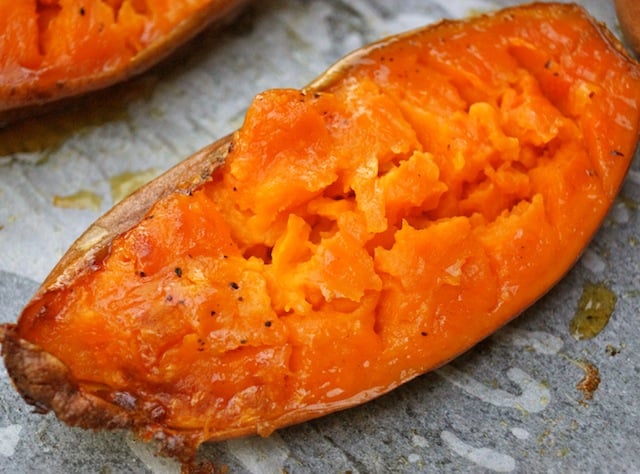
(55, 49)
(350, 236)
(628, 13)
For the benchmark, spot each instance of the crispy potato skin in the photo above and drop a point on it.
(36, 93)
(47, 383)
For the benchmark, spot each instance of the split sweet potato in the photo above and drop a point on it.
(55, 49)
(350, 236)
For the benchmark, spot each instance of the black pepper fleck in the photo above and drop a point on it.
(234, 285)
(82, 12)
(178, 272)
(142, 274)
(267, 324)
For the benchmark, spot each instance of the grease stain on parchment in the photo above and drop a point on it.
(595, 307)
(593, 262)
(537, 341)
(82, 199)
(42, 134)
(420, 441)
(9, 438)
(520, 433)
(259, 455)
(123, 184)
(534, 398)
(146, 452)
(484, 457)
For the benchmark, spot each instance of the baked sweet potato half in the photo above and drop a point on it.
(350, 236)
(55, 49)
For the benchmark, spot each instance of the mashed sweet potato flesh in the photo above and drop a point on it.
(360, 232)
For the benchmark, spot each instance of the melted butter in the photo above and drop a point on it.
(83, 199)
(595, 308)
(124, 184)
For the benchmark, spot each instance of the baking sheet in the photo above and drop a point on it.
(512, 404)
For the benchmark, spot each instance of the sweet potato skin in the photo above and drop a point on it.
(57, 52)
(461, 330)
(628, 13)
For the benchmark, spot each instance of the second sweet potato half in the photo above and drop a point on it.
(350, 236)
(56, 49)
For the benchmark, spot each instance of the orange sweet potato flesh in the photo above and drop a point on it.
(54, 49)
(349, 237)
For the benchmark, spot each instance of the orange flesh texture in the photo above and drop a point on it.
(362, 234)
(48, 42)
